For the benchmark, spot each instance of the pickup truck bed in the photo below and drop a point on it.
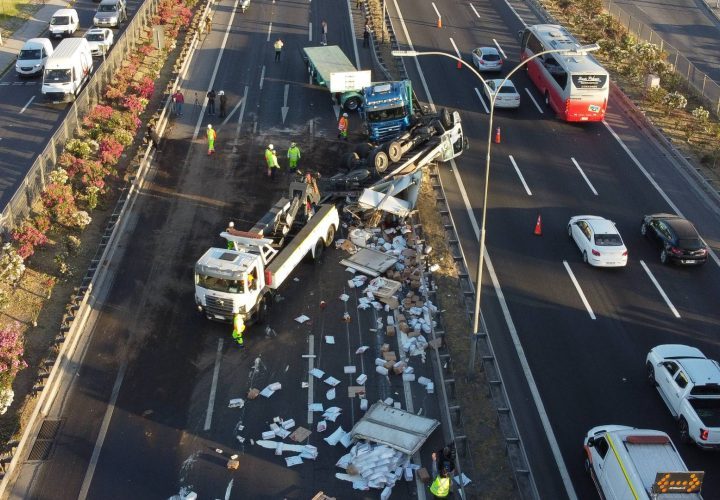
(708, 410)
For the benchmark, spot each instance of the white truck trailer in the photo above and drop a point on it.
(240, 279)
(630, 464)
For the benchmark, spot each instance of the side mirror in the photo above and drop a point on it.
(591, 442)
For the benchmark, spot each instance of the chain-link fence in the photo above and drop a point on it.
(703, 84)
(34, 182)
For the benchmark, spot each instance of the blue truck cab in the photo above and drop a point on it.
(387, 109)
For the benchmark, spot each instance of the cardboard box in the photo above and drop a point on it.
(399, 367)
(423, 475)
(390, 331)
(233, 464)
(388, 365)
(385, 348)
(404, 327)
(253, 393)
(390, 356)
(401, 318)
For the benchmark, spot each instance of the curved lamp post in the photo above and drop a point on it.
(481, 258)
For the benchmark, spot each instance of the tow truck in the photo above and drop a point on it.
(241, 278)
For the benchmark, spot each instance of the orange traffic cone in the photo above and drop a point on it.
(439, 22)
(497, 136)
(538, 226)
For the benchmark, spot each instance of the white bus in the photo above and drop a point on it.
(574, 85)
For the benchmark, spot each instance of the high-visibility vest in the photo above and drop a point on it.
(278, 45)
(211, 134)
(270, 158)
(238, 325)
(343, 123)
(294, 153)
(440, 487)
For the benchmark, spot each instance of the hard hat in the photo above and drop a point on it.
(345, 115)
(292, 144)
(231, 224)
(209, 125)
(222, 92)
(271, 146)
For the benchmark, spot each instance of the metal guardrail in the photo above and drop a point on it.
(35, 180)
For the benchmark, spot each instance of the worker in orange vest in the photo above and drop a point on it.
(343, 127)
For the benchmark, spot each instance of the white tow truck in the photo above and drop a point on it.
(629, 464)
(239, 279)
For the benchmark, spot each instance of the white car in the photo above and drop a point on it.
(100, 40)
(507, 95)
(598, 240)
(487, 59)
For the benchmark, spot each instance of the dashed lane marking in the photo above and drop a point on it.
(659, 289)
(579, 290)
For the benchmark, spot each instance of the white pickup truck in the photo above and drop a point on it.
(689, 383)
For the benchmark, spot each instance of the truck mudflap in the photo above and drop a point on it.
(399, 429)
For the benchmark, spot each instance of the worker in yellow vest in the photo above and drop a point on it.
(271, 160)
(293, 155)
(440, 487)
(211, 136)
(238, 329)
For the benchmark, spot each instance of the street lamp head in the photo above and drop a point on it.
(582, 49)
(404, 53)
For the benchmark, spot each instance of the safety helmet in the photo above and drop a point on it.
(345, 115)
(209, 125)
(231, 224)
(271, 147)
(222, 92)
(292, 144)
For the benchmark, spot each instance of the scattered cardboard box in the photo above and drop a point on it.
(233, 464)
(423, 475)
(253, 393)
(390, 356)
(300, 434)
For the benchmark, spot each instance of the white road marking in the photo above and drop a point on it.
(477, 91)
(499, 48)
(654, 184)
(592, 188)
(456, 49)
(579, 290)
(228, 490)
(311, 379)
(524, 25)
(262, 77)
(269, 31)
(522, 179)
(213, 386)
(436, 10)
(309, 32)
(27, 104)
(475, 11)
(243, 100)
(659, 289)
(201, 115)
(534, 101)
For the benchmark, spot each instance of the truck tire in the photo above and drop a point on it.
(394, 151)
(446, 118)
(317, 253)
(651, 375)
(262, 311)
(330, 237)
(352, 104)
(379, 160)
(363, 150)
(684, 431)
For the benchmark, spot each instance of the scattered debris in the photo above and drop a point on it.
(253, 393)
(236, 403)
(317, 373)
(233, 464)
(300, 434)
(271, 389)
(331, 381)
(329, 339)
(302, 319)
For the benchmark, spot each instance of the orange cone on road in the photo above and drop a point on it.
(439, 22)
(538, 226)
(497, 136)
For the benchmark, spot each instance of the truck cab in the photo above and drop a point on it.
(387, 109)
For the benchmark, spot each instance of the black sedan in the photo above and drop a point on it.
(677, 238)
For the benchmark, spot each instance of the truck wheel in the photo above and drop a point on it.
(363, 150)
(684, 431)
(261, 314)
(352, 104)
(317, 253)
(446, 118)
(394, 151)
(651, 375)
(330, 236)
(379, 160)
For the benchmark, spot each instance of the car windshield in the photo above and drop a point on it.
(220, 284)
(29, 54)
(57, 75)
(491, 57)
(506, 89)
(95, 37)
(690, 244)
(608, 240)
(61, 20)
(386, 114)
(107, 8)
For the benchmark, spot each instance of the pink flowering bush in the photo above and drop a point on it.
(11, 352)
(27, 236)
(110, 150)
(133, 104)
(145, 88)
(99, 114)
(59, 201)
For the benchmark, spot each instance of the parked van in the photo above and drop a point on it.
(64, 22)
(627, 463)
(110, 13)
(32, 57)
(67, 70)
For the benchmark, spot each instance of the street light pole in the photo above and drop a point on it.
(481, 257)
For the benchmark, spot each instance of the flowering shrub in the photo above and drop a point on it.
(146, 49)
(145, 88)
(60, 201)
(42, 222)
(79, 148)
(80, 219)
(93, 173)
(59, 175)
(12, 266)
(11, 351)
(98, 115)
(28, 237)
(122, 136)
(133, 103)
(92, 194)
(110, 150)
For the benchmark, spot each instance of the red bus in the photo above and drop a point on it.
(574, 84)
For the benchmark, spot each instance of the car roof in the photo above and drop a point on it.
(64, 12)
(498, 81)
(488, 50)
(682, 227)
(97, 30)
(701, 371)
(602, 226)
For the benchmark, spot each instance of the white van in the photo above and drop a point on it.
(64, 22)
(32, 56)
(67, 70)
(629, 464)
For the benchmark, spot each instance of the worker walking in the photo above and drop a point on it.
(271, 160)
(278, 49)
(211, 102)
(223, 103)
(211, 136)
(440, 487)
(238, 329)
(323, 32)
(343, 127)
(293, 155)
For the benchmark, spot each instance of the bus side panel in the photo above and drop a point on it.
(538, 76)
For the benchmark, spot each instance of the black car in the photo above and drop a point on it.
(676, 237)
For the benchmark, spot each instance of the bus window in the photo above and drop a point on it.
(557, 72)
(524, 39)
(534, 44)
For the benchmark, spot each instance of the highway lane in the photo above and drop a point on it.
(688, 25)
(27, 121)
(157, 441)
(561, 342)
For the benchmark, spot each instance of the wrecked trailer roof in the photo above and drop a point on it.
(399, 429)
